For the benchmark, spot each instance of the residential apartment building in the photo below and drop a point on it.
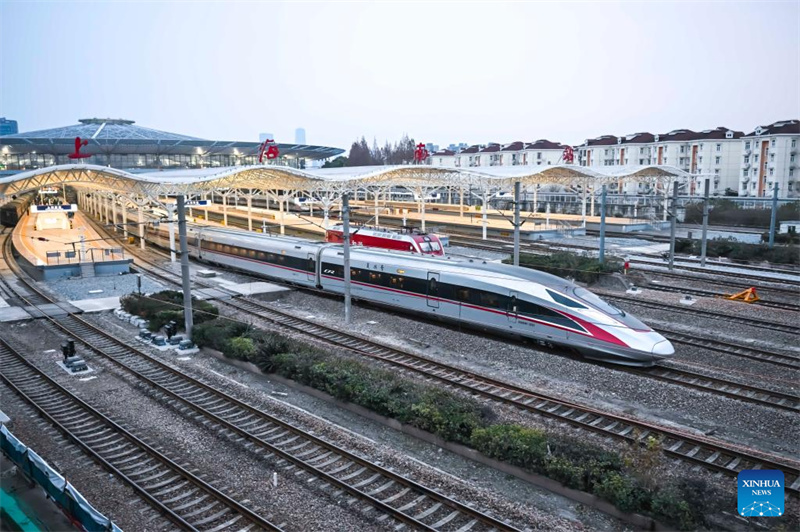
(732, 161)
(769, 155)
(540, 152)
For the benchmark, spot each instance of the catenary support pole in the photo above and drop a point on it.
(171, 212)
(672, 224)
(516, 222)
(250, 211)
(187, 285)
(704, 238)
(484, 219)
(346, 256)
(774, 217)
(602, 253)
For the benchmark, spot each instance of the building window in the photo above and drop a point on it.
(791, 172)
(665, 160)
(747, 145)
(717, 160)
(771, 171)
(700, 160)
(746, 158)
(683, 149)
(790, 186)
(719, 147)
(755, 158)
(716, 172)
(794, 143)
(701, 145)
(772, 143)
(771, 156)
(791, 158)
(744, 173)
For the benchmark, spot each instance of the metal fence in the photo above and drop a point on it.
(56, 486)
(90, 255)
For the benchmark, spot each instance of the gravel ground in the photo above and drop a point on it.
(76, 288)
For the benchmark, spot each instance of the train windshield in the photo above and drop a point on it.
(595, 301)
(428, 247)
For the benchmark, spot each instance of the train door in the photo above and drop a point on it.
(513, 306)
(433, 290)
(311, 267)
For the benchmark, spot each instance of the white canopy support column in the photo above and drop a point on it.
(461, 202)
(592, 200)
(250, 210)
(114, 212)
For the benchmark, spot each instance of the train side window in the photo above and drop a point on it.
(433, 287)
(281, 258)
(462, 294)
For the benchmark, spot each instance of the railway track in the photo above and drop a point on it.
(345, 473)
(754, 353)
(716, 455)
(188, 501)
(684, 309)
(708, 293)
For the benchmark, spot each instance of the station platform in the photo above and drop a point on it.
(56, 250)
(444, 217)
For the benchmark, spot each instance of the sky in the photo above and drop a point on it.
(443, 72)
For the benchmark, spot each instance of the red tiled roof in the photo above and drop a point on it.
(637, 138)
(605, 140)
(719, 133)
(544, 144)
(491, 148)
(514, 146)
(471, 149)
(784, 127)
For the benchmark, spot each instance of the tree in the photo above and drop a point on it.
(338, 162)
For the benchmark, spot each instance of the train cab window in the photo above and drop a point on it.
(425, 247)
(433, 287)
(567, 302)
(597, 302)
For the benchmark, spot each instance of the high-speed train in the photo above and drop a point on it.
(498, 298)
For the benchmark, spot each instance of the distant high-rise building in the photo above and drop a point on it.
(431, 147)
(458, 147)
(299, 136)
(264, 136)
(8, 127)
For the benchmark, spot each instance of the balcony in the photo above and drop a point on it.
(748, 151)
(745, 166)
(745, 180)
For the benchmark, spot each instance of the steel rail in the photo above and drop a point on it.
(114, 448)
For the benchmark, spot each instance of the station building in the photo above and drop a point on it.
(122, 144)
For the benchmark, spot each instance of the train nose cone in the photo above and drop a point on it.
(663, 349)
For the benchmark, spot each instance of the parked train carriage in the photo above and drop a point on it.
(12, 211)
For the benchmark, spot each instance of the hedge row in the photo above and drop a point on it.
(734, 250)
(728, 212)
(565, 264)
(572, 462)
(161, 308)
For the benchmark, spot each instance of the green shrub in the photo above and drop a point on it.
(214, 334)
(241, 348)
(162, 307)
(728, 212)
(519, 446)
(565, 264)
(734, 250)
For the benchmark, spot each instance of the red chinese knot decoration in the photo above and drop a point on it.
(568, 155)
(78, 145)
(421, 153)
(268, 149)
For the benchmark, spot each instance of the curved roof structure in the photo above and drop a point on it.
(266, 177)
(108, 136)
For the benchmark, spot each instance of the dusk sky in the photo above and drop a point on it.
(442, 72)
